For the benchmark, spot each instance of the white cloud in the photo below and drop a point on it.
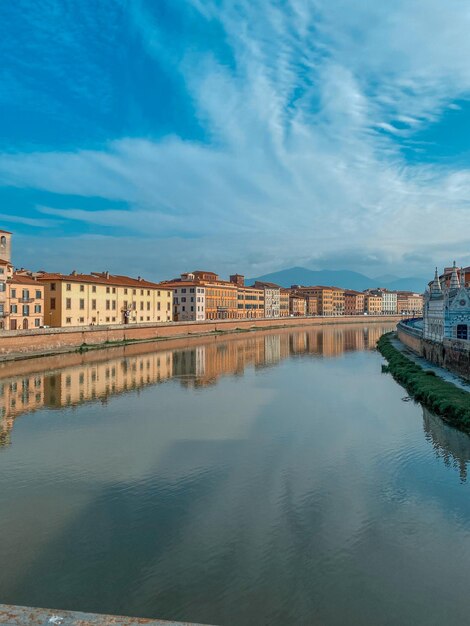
(296, 166)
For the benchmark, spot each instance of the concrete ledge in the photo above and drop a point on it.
(26, 616)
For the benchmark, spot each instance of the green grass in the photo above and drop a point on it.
(441, 397)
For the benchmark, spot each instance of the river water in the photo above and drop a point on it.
(265, 478)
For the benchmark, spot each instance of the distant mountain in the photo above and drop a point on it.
(339, 278)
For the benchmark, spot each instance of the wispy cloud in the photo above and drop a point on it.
(302, 157)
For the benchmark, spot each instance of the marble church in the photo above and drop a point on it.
(446, 310)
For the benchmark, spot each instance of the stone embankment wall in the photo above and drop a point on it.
(24, 343)
(452, 354)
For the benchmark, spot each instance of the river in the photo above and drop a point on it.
(262, 478)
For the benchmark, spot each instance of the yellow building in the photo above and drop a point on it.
(373, 304)
(102, 298)
(284, 302)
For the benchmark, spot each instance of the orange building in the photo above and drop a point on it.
(353, 302)
(250, 300)
(21, 297)
(26, 302)
(220, 296)
(297, 305)
(329, 300)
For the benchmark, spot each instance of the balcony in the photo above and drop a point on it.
(26, 300)
(4, 314)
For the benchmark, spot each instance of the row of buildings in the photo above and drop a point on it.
(36, 299)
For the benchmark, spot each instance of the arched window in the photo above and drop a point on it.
(3, 241)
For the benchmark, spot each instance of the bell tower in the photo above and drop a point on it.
(5, 246)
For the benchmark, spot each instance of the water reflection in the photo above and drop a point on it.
(449, 443)
(69, 380)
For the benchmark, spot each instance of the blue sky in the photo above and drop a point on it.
(154, 137)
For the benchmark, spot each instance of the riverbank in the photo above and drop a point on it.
(24, 344)
(446, 399)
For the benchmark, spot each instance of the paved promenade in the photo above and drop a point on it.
(426, 365)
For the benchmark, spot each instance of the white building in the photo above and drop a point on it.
(446, 312)
(189, 303)
(389, 302)
(272, 298)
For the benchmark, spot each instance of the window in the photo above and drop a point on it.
(13, 293)
(25, 310)
(107, 289)
(141, 306)
(68, 303)
(13, 308)
(81, 320)
(68, 320)
(113, 305)
(148, 306)
(108, 305)
(52, 286)
(183, 291)
(37, 308)
(141, 292)
(82, 304)
(82, 287)
(38, 295)
(93, 305)
(125, 292)
(114, 289)
(191, 290)
(25, 294)
(68, 287)
(158, 306)
(134, 292)
(52, 304)
(148, 292)
(93, 289)
(462, 331)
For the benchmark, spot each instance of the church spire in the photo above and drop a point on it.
(454, 279)
(436, 290)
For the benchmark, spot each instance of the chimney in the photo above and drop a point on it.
(73, 273)
(106, 275)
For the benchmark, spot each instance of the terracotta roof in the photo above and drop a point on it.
(101, 279)
(3, 262)
(267, 285)
(24, 280)
(7, 232)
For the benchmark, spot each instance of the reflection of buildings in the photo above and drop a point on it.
(71, 379)
(450, 444)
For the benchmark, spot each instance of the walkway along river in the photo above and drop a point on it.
(268, 478)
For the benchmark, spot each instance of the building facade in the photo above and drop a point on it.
(189, 302)
(102, 298)
(272, 298)
(353, 302)
(446, 313)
